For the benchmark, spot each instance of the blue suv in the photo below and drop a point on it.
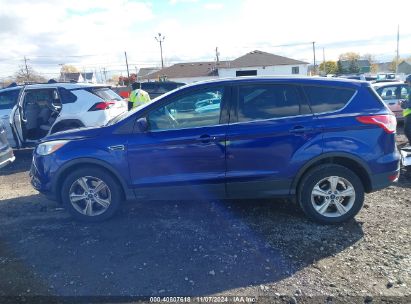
(321, 142)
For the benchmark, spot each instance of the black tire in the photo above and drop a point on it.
(322, 175)
(113, 191)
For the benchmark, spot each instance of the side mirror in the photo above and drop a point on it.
(142, 124)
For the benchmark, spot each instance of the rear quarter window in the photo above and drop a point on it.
(327, 99)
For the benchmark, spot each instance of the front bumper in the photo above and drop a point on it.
(41, 176)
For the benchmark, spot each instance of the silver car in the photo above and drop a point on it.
(6, 152)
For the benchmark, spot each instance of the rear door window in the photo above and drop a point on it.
(267, 101)
(8, 99)
(328, 99)
(197, 109)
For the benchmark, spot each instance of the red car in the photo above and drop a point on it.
(393, 93)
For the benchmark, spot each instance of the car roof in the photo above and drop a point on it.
(11, 88)
(289, 79)
(387, 84)
(66, 85)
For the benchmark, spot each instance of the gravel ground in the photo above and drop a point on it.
(221, 248)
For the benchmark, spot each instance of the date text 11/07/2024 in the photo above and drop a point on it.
(215, 299)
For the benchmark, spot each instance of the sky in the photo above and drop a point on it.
(94, 34)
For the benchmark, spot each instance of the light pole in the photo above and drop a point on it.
(160, 39)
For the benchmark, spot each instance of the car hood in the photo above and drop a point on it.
(79, 133)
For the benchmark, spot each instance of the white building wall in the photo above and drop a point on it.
(265, 71)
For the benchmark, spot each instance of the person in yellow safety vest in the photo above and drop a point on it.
(406, 105)
(138, 96)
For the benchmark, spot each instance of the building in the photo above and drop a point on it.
(259, 63)
(384, 67)
(89, 77)
(363, 64)
(143, 73)
(188, 72)
(405, 67)
(78, 77)
(256, 63)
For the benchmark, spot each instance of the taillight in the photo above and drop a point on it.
(101, 105)
(387, 122)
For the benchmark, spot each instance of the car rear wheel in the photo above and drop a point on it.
(331, 194)
(91, 194)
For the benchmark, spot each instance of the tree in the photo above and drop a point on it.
(349, 56)
(331, 67)
(28, 74)
(115, 79)
(66, 68)
(124, 80)
(393, 65)
(372, 61)
(340, 69)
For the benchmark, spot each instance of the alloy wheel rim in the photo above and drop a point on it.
(90, 196)
(333, 196)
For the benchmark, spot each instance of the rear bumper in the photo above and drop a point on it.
(6, 157)
(383, 180)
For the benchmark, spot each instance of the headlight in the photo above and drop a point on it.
(50, 147)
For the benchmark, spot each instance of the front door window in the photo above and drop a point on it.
(198, 109)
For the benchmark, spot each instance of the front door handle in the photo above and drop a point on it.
(117, 148)
(300, 129)
(205, 138)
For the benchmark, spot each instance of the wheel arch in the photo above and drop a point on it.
(67, 168)
(352, 162)
(66, 122)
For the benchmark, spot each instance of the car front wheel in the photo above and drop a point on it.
(91, 194)
(331, 194)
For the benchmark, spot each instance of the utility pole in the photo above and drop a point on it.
(325, 72)
(398, 49)
(128, 72)
(314, 56)
(160, 39)
(27, 70)
(217, 55)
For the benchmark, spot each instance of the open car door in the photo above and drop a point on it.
(16, 118)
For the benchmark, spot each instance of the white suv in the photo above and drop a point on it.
(34, 111)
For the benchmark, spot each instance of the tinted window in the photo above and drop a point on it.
(267, 101)
(327, 99)
(193, 110)
(66, 96)
(8, 99)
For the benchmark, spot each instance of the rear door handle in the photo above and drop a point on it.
(301, 129)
